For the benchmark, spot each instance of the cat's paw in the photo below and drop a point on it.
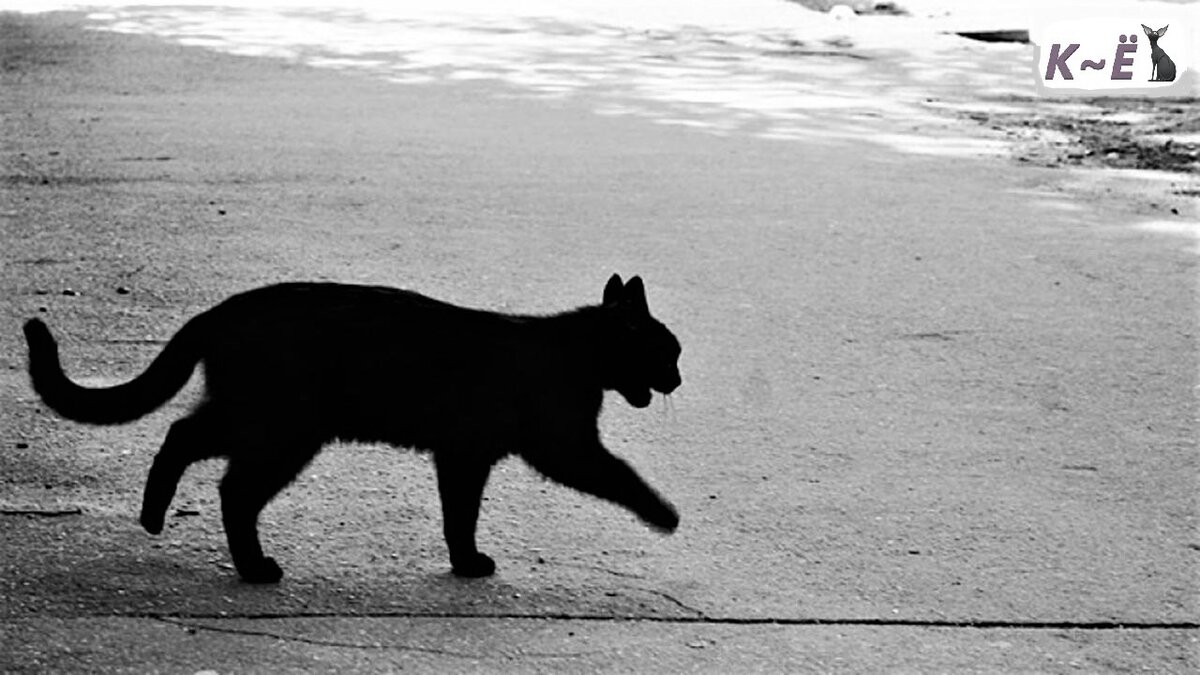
(152, 522)
(261, 571)
(662, 517)
(474, 566)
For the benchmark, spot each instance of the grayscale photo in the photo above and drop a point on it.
(599, 336)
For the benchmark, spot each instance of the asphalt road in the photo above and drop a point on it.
(938, 414)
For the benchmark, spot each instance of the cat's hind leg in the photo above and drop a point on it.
(249, 484)
(189, 440)
(597, 472)
(460, 485)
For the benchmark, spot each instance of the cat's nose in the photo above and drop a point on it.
(670, 383)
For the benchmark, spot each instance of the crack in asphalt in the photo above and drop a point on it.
(667, 596)
(598, 568)
(700, 618)
(202, 622)
(197, 623)
(435, 651)
(182, 623)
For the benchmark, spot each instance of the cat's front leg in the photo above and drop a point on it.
(460, 484)
(594, 470)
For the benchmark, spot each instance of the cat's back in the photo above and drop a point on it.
(329, 304)
(320, 297)
(349, 319)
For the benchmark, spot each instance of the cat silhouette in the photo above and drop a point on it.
(293, 367)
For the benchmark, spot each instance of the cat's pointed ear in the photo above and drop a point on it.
(635, 295)
(1162, 31)
(613, 290)
(1148, 29)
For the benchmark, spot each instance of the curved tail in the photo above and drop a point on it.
(110, 405)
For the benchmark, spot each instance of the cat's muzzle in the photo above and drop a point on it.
(667, 384)
(640, 396)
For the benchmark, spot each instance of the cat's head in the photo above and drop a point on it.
(645, 355)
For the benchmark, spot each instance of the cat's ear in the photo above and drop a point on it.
(635, 295)
(613, 290)
(1148, 29)
(1162, 31)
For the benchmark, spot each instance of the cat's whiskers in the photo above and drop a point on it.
(668, 406)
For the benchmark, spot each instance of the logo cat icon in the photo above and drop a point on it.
(1163, 68)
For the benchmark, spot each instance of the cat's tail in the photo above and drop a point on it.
(126, 402)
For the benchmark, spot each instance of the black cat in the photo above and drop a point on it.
(292, 367)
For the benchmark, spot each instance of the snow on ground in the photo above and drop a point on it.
(768, 68)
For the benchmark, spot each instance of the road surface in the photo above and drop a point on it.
(938, 413)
